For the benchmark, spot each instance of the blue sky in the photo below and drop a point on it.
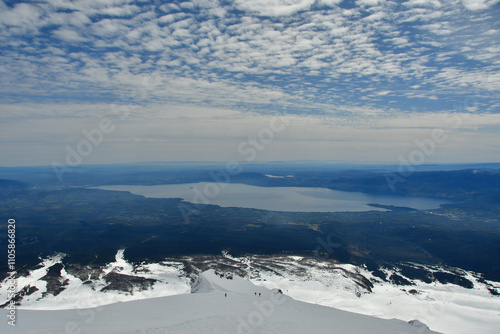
(196, 80)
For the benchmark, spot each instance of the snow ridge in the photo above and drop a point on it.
(447, 308)
(221, 303)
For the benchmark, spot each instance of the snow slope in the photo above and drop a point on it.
(445, 308)
(219, 304)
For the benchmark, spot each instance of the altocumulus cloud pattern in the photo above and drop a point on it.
(396, 63)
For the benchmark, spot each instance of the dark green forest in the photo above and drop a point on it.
(90, 225)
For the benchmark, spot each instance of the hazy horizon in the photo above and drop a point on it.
(367, 164)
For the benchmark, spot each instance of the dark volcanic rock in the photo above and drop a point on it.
(380, 274)
(25, 291)
(413, 273)
(55, 282)
(446, 278)
(399, 280)
(359, 279)
(84, 273)
(126, 283)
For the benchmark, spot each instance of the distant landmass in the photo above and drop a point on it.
(456, 244)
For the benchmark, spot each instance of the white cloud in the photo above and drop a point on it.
(184, 132)
(77, 19)
(120, 11)
(376, 16)
(400, 40)
(220, 78)
(69, 35)
(383, 93)
(167, 18)
(423, 3)
(479, 4)
(329, 2)
(166, 8)
(274, 7)
(313, 61)
(20, 15)
(107, 28)
(369, 2)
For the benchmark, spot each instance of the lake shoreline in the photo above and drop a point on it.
(288, 199)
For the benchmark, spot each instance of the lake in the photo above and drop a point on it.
(292, 199)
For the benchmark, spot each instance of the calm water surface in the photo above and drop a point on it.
(294, 199)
